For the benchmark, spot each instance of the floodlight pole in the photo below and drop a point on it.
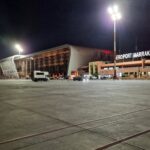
(115, 75)
(19, 52)
(115, 15)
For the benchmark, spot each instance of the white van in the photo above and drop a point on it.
(39, 76)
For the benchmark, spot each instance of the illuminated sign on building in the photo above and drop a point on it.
(133, 55)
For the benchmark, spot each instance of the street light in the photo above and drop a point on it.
(115, 15)
(19, 48)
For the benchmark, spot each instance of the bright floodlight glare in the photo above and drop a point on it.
(115, 8)
(110, 10)
(114, 12)
(118, 15)
(114, 17)
(19, 48)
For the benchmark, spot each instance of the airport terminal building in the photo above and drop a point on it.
(130, 65)
(61, 60)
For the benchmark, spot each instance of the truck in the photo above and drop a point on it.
(39, 76)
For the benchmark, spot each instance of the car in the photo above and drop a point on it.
(105, 77)
(61, 78)
(93, 77)
(78, 78)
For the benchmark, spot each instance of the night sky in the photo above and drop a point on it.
(43, 24)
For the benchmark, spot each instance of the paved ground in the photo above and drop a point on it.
(68, 115)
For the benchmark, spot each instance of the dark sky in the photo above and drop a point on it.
(42, 24)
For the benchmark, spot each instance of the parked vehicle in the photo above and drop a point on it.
(78, 78)
(105, 77)
(39, 76)
(93, 77)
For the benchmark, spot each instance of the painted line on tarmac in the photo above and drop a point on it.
(122, 140)
(63, 128)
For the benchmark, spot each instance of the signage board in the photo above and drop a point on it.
(133, 55)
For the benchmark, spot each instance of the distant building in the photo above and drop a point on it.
(131, 65)
(57, 61)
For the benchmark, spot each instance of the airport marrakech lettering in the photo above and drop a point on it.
(133, 55)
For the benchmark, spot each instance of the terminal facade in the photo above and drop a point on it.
(58, 61)
(64, 60)
(131, 65)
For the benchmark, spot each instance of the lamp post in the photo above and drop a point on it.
(31, 66)
(19, 48)
(115, 15)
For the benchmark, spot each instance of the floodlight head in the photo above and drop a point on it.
(115, 8)
(118, 15)
(114, 12)
(113, 17)
(19, 48)
(110, 10)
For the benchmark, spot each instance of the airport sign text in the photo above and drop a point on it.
(133, 55)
